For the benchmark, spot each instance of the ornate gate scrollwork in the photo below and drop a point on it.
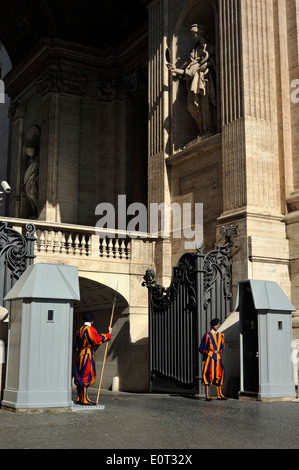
(217, 267)
(16, 254)
(183, 273)
(180, 314)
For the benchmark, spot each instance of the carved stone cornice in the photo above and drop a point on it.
(57, 82)
(56, 53)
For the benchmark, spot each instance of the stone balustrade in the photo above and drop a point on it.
(74, 242)
(67, 241)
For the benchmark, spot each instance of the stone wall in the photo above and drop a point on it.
(5, 66)
(253, 173)
(92, 116)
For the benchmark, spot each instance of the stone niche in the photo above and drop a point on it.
(184, 125)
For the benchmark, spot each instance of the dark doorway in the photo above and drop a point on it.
(249, 331)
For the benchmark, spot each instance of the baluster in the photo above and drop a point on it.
(48, 237)
(108, 246)
(127, 248)
(60, 242)
(101, 247)
(114, 244)
(120, 247)
(88, 245)
(55, 243)
(37, 242)
(76, 244)
(65, 244)
(81, 244)
(42, 241)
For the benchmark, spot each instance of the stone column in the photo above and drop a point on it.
(289, 26)
(16, 113)
(48, 204)
(60, 145)
(159, 132)
(291, 13)
(251, 184)
(111, 110)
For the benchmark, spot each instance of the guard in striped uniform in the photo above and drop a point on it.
(85, 341)
(212, 346)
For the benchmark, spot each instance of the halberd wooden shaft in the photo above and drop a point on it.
(106, 349)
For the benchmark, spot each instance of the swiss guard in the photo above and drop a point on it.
(85, 372)
(212, 347)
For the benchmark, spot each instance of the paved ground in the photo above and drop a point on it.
(151, 421)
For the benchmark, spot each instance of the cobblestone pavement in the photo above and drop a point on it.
(152, 421)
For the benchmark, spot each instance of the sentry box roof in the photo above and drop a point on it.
(47, 281)
(267, 295)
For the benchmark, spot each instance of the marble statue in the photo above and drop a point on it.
(31, 179)
(196, 71)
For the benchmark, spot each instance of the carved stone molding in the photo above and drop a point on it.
(117, 87)
(17, 110)
(57, 82)
(107, 90)
(135, 81)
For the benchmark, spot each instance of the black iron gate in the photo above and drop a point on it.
(180, 315)
(16, 254)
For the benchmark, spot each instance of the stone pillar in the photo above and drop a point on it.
(16, 113)
(251, 184)
(159, 132)
(292, 32)
(289, 25)
(60, 145)
(49, 158)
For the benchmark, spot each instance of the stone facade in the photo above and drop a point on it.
(116, 122)
(246, 174)
(75, 113)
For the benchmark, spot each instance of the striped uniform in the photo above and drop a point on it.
(212, 346)
(85, 372)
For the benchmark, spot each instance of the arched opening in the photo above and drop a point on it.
(99, 298)
(125, 359)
